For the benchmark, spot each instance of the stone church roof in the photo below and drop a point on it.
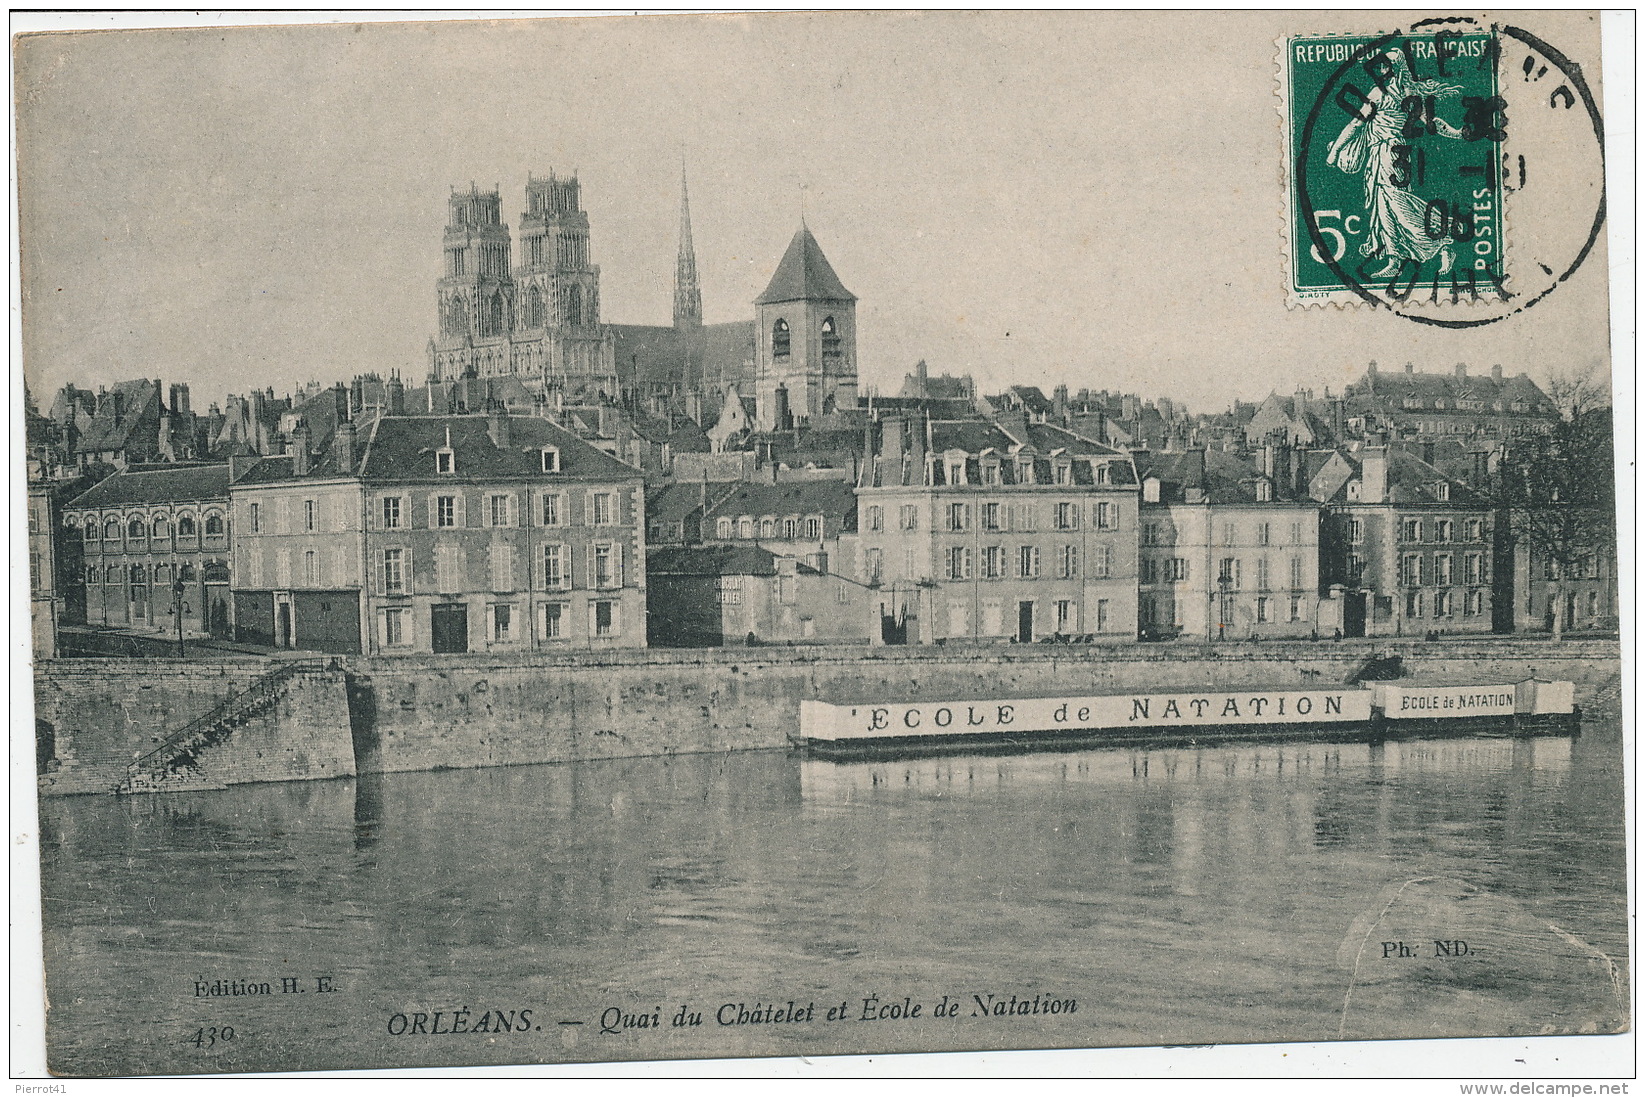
(804, 275)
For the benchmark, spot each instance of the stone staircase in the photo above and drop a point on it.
(174, 760)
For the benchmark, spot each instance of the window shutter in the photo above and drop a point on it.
(589, 567)
(433, 511)
(617, 565)
(382, 582)
(616, 617)
(591, 618)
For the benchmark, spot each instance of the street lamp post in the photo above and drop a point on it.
(179, 609)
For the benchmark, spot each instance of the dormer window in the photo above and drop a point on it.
(551, 459)
(956, 472)
(1065, 473)
(1265, 491)
(1099, 472)
(1442, 491)
(445, 460)
(1025, 472)
(991, 473)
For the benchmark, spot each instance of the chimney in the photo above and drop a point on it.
(1410, 369)
(1194, 488)
(343, 446)
(1462, 371)
(1339, 420)
(1298, 486)
(780, 418)
(1128, 407)
(1496, 374)
(1299, 403)
(1428, 452)
(918, 429)
(891, 438)
(1371, 370)
(298, 447)
(498, 426)
(179, 399)
(1373, 473)
(396, 391)
(1268, 460)
(922, 372)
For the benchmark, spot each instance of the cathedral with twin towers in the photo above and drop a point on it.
(538, 320)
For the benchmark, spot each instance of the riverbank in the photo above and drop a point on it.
(96, 719)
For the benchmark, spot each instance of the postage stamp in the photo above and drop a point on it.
(1406, 154)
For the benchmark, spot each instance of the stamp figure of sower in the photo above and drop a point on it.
(1375, 145)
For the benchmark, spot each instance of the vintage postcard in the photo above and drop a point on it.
(799, 534)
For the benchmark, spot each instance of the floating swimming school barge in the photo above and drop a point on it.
(1373, 710)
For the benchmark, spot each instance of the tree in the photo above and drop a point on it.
(1557, 490)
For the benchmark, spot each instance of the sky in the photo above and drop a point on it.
(1030, 198)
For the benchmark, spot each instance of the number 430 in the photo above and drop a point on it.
(207, 1036)
(1339, 243)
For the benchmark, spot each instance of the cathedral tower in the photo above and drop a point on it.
(559, 292)
(688, 296)
(805, 337)
(476, 294)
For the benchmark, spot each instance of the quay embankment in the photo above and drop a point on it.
(137, 725)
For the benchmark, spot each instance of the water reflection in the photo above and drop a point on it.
(1182, 895)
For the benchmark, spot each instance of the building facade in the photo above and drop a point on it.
(1229, 549)
(442, 534)
(806, 340)
(973, 531)
(157, 546)
(734, 594)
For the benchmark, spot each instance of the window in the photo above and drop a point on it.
(1473, 602)
(1442, 492)
(1148, 571)
(502, 623)
(1264, 533)
(136, 530)
(1067, 516)
(780, 339)
(394, 627)
(1356, 567)
(1099, 472)
(1442, 604)
(1068, 561)
(445, 511)
(1028, 562)
(1178, 569)
(959, 562)
(1474, 529)
(1065, 615)
(909, 516)
(830, 337)
(959, 516)
(1411, 570)
(876, 517)
(1442, 571)
(990, 516)
(1025, 472)
(90, 531)
(843, 595)
(557, 567)
(745, 527)
(1296, 573)
(1411, 529)
(723, 527)
(1102, 561)
(875, 566)
(1024, 519)
(768, 527)
(161, 529)
(993, 562)
(1473, 570)
(392, 571)
(502, 566)
(256, 518)
(553, 620)
(1265, 491)
(1356, 532)
(604, 569)
(604, 510)
(1262, 610)
(311, 568)
(448, 568)
(990, 473)
(497, 510)
(1413, 604)
(392, 513)
(731, 590)
(1443, 529)
(956, 472)
(1228, 573)
(1107, 516)
(1296, 533)
(791, 529)
(1102, 616)
(551, 459)
(111, 530)
(1262, 573)
(1296, 607)
(1227, 533)
(1150, 533)
(817, 562)
(308, 515)
(606, 622)
(1063, 473)
(813, 528)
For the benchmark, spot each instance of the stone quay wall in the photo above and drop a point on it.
(381, 714)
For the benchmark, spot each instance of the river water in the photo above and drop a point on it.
(1104, 897)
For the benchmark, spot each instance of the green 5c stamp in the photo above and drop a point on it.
(1403, 160)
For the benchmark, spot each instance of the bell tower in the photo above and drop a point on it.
(558, 317)
(805, 337)
(475, 292)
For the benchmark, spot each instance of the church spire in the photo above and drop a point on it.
(688, 296)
